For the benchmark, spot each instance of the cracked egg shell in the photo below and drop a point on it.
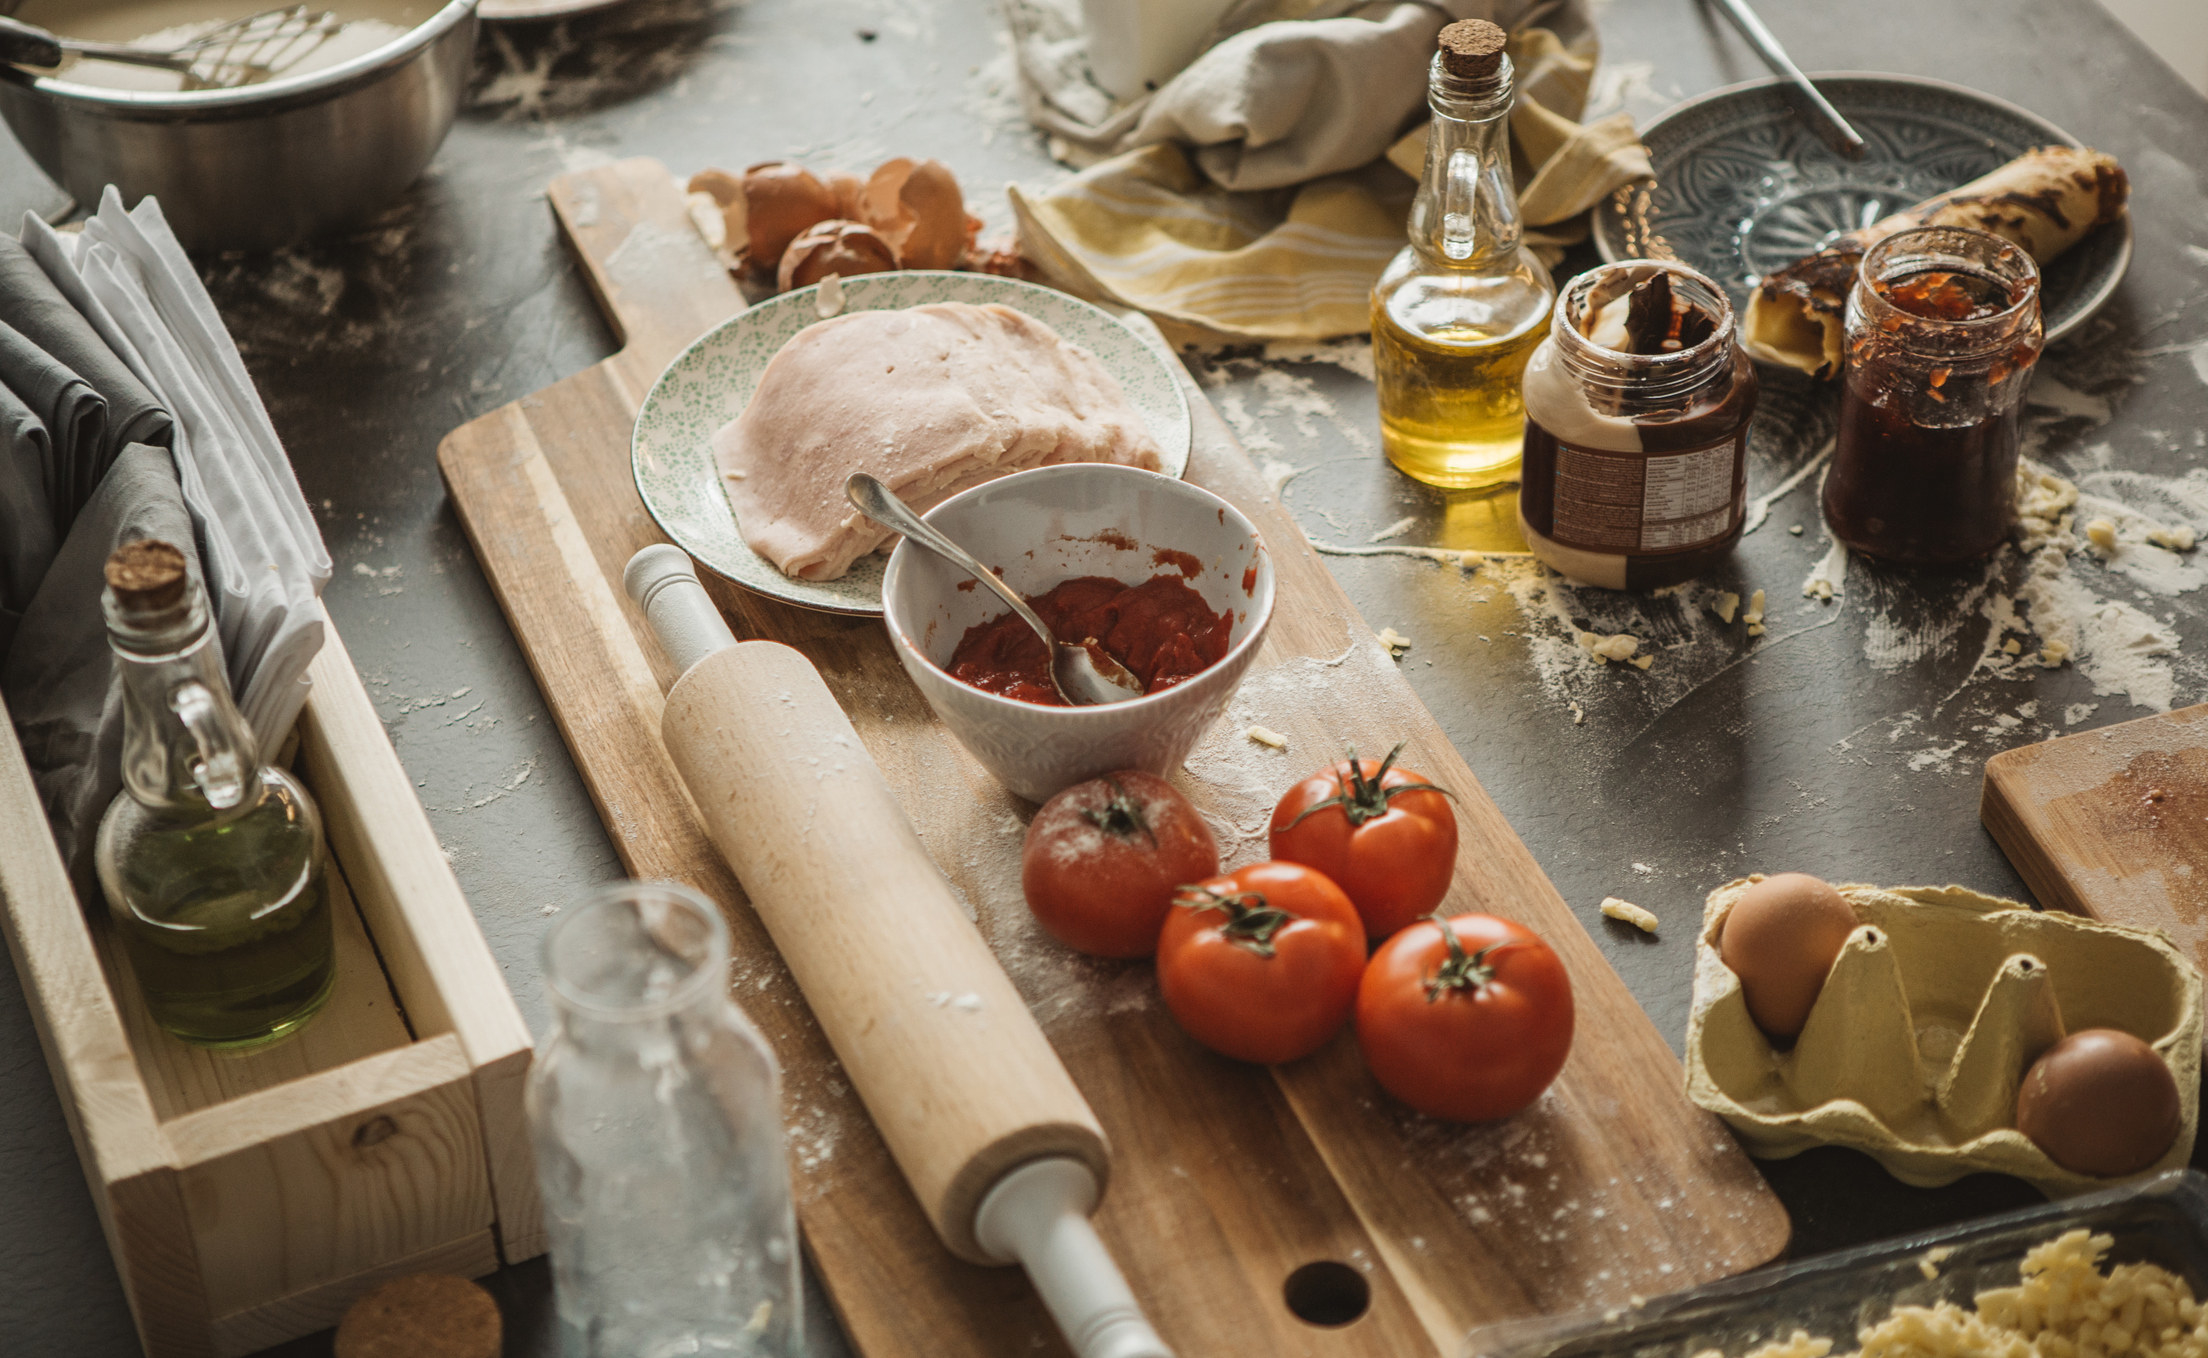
(717, 193)
(834, 247)
(1781, 939)
(916, 206)
(782, 201)
(849, 191)
(2100, 1102)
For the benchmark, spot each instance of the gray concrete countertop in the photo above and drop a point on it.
(1847, 743)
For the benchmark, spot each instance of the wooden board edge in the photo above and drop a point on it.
(2001, 811)
(125, 1159)
(88, 1053)
(358, 1090)
(150, 1237)
(317, 1308)
(440, 963)
(655, 312)
(500, 1102)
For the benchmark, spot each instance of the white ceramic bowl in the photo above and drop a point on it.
(1045, 526)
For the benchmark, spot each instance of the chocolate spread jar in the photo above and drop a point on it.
(1943, 333)
(1637, 410)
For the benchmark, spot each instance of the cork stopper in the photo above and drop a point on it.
(146, 576)
(427, 1315)
(1472, 48)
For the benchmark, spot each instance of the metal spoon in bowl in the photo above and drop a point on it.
(1084, 675)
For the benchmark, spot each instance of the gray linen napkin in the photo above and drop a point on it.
(59, 679)
(34, 308)
(29, 531)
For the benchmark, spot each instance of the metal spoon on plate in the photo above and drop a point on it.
(1084, 675)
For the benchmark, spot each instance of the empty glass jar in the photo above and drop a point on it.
(657, 1114)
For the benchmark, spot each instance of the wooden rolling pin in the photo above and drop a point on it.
(1003, 1152)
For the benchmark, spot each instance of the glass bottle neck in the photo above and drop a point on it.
(186, 747)
(1466, 213)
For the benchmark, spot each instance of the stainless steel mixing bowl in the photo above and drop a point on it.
(266, 165)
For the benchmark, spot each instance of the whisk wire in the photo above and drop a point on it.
(245, 51)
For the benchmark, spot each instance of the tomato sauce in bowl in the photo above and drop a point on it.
(1161, 630)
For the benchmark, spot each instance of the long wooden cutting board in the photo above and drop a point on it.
(1227, 1178)
(2112, 823)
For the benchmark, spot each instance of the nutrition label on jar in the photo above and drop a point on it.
(1654, 503)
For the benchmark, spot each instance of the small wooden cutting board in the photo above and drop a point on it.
(2112, 823)
(1227, 1179)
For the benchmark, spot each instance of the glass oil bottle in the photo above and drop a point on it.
(212, 862)
(1456, 314)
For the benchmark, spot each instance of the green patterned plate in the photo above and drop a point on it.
(671, 451)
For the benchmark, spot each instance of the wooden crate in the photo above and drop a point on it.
(248, 1199)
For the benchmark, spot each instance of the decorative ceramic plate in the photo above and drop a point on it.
(1744, 187)
(712, 382)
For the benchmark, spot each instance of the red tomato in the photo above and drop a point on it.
(1467, 1022)
(1384, 834)
(1262, 963)
(1103, 859)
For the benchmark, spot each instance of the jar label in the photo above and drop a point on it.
(1632, 502)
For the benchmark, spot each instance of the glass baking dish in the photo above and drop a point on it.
(2162, 1220)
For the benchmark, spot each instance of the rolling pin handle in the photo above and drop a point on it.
(665, 585)
(1038, 1215)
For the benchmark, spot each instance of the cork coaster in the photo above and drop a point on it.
(427, 1315)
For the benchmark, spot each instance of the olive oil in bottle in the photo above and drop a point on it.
(212, 862)
(1457, 313)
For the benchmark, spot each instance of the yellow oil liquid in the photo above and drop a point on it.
(1451, 413)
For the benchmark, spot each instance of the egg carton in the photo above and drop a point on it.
(1916, 1046)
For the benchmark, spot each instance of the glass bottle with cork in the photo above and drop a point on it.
(1456, 314)
(211, 860)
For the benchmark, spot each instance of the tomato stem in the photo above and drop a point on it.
(1248, 925)
(1121, 817)
(1362, 798)
(1463, 970)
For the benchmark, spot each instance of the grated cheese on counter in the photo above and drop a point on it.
(1395, 641)
(1268, 737)
(1626, 911)
(1727, 607)
(1619, 646)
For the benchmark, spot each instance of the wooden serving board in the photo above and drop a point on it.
(1227, 1178)
(2112, 823)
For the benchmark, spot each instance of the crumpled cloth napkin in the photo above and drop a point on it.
(1258, 194)
(263, 556)
(68, 407)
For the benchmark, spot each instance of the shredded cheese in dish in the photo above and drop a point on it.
(2065, 1307)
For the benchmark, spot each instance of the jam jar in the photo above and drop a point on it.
(1637, 410)
(1942, 332)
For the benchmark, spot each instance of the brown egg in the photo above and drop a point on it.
(782, 200)
(2100, 1102)
(845, 248)
(1781, 939)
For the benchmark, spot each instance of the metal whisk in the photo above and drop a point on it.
(242, 52)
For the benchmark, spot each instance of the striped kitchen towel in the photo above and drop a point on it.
(1196, 233)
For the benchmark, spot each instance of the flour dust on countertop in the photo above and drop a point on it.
(2083, 617)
